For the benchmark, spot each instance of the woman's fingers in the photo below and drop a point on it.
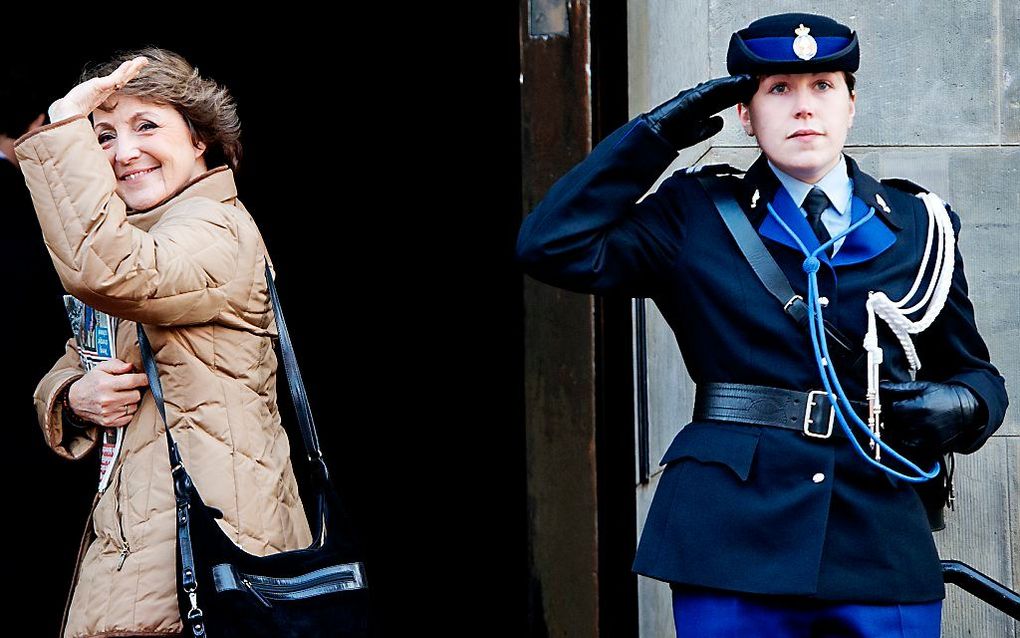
(115, 81)
(115, 415)
(126, 415)
(117, 410)
(130, 398)
(126, 71)
(121, 421)
(125, 381)
(88, 95)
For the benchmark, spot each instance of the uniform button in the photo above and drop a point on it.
(823, 301)
(818, 478)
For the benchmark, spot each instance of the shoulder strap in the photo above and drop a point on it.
(904, 185)
(908, 186)
(293, 377)
(761, 260)
(710, 169)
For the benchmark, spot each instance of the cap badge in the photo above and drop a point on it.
(804, 45)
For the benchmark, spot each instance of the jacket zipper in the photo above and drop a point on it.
(125, 548)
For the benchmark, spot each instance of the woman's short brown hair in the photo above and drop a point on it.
(168, 79)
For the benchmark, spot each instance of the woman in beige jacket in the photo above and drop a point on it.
(133, 185)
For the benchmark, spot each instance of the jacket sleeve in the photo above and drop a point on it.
(174, 274)
(589, 234)
(72, 443)
(952, 351)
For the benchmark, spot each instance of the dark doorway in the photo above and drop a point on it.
(384, 175)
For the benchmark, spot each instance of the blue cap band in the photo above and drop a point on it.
(780, 49)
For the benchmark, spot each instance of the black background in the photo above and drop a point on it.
(381, 162)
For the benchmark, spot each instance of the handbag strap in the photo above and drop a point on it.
(761, 260)
(293, 377)
(195, 618)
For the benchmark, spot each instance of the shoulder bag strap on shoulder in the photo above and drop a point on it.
(293, 377)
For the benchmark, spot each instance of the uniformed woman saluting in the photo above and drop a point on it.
(785, 509)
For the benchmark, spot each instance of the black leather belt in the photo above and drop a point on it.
(810, 413)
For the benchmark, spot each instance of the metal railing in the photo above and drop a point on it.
(992, 592)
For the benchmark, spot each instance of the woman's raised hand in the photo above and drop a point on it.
(106, 395)
(84, 98)
(689, 117)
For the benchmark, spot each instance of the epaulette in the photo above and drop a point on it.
(904, 185)
(709, 169)
(908, 186)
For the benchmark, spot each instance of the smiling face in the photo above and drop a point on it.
(150, 141)
(801, 121)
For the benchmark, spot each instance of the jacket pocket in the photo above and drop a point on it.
(733, 446)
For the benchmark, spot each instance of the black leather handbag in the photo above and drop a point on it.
(225, 592)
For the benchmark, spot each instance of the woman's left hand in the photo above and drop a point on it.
(84, 98)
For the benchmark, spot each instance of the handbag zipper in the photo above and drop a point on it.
(266, 587)
(247, 583)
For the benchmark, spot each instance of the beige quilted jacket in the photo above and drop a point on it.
(191, 271)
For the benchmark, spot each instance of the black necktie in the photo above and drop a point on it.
(814, 204)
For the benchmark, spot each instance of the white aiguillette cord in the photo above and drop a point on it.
(894, 313)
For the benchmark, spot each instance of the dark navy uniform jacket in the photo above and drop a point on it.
(739, 507)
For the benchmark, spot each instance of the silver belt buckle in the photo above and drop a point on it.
(808, 420)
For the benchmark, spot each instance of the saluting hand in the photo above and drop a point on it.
(84, 98)
(686, 119)
(106, 395)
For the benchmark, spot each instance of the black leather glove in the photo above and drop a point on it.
(926, 417)
(687, 118)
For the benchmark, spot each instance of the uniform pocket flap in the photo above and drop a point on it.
(716, 443)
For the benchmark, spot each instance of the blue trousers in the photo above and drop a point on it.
(719, 614)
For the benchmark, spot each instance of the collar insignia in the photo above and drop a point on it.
(881, 202)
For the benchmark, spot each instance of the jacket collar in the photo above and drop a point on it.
(835, 184)
(216, 183)
(760, 178)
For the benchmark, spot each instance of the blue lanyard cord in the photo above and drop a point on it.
(814, 311)
(825, 369)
